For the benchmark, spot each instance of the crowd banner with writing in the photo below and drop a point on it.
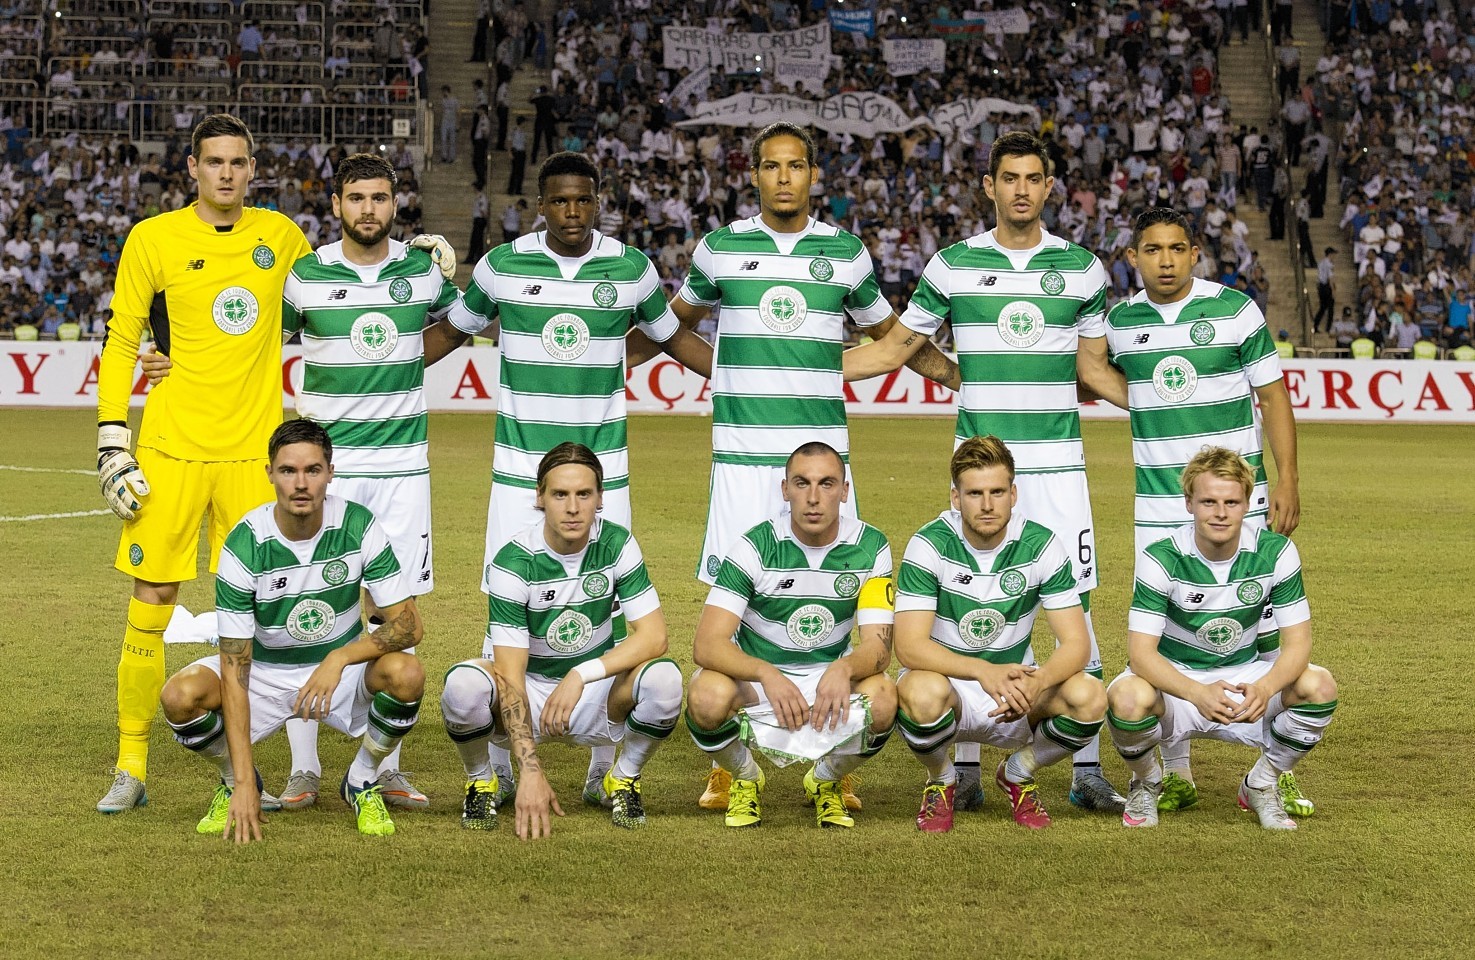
(694, 84)
(907, 57)
(803, 69)
(52, 374)
(860, 20)
(1013, 20)
(738, 51)
(859, 114)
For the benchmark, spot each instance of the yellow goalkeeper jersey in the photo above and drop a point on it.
(213, 299)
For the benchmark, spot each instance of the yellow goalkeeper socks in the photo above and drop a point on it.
(140, 678)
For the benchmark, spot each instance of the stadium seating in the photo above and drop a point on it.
(1364, 349)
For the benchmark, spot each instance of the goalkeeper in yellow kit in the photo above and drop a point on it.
(207, 280)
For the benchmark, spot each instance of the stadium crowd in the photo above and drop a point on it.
(1394, 88)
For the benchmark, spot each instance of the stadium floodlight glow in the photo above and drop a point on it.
(903, 19)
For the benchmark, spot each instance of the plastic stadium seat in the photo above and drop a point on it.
(1464, 352)
(1286, 349)
(1426, 350)
(1363, 349)
(27, 331)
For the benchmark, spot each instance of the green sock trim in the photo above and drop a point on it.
(387, 705)
(1285, 741)
(649, 730)
(875, 741)
(1314, 709)
(925, 730)
(473, 735)
(1070, 734)
(711, 740)
(201, 725)
(1132, 726)
(1096, 672)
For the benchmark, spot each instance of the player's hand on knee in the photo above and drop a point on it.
(441, 252)
(1214, 703)
(156, 365)
(118, 474)
(315, 698)
(789, 706)
(558, 710)
(832, 698)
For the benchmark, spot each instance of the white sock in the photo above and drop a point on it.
(966, 751)
(302, 737)
(1262, 775)
(738, 760)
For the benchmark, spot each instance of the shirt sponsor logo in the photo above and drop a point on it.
(570, 631)
(978, 628)
(811, 626)
(1021, 324)
(310, 621)
(1221, 633)
(783, 309)
(565, 336)
(374, 336)
(1174, 379)
(235, 310)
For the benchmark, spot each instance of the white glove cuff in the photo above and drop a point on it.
(112, 436)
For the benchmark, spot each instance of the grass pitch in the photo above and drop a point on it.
(1383, 868)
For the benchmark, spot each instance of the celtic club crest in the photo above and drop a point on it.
(1174, 379)
(1201, 333)
(783, 309)
(263, 257)
(374, 336)
(570, 631)
(1221, 633)
(335, 572)
(234, 310)
(565, 336)
(811, 626)
(1052, 283)
(596, 585)
(821, 269)
(1250, 592)
(847, 585)
(310, 621)
(1012, 582)
(978, 628)
(605, 294)
(400, 290)
(1021, 324)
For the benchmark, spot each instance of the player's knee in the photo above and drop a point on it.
(188, 693)
(924, 695)
(882, 694)
(1315, 685)
(709, 699)
(1131, 697)
(1086, 698)
(658, 686)
(403, 676)
(468, 692)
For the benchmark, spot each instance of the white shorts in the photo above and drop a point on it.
(741, 497)
(1182, 721)
(589, 725)
(512, 510)
(1061, 502)
(273, 690)
(402, 507)
(974, 723)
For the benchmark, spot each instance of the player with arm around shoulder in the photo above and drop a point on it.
(1202, 597)
(776, 633)
(970, 586)
(559, 673)
(288, 595)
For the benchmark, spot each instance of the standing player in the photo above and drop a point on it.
(288, 594)
(565, 298)
(207, 280)
(361, 305)
(1196, 356)
(1022, 302)
(776, 631)
(970, 586)
(560, 672)
(1203, 595)
(784, 283)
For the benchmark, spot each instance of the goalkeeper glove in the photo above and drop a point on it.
(118, 474)
(441, 252)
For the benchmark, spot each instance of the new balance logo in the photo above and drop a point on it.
(786, 584)
(1269, 613)
(337, 294)
(1194, 598)
(1141, 338)
(547, 596)
(987, 280)
(195, 265)
(425, 576)
(749, 265)
(963, 578)
(532, 290)
(280, 583)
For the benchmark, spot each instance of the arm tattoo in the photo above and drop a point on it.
(397, 634)
(884, 659)
(931, 363)
(518, 724)
(910, 340)
(235, 653)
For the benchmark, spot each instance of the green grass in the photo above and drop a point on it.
(1383, 868)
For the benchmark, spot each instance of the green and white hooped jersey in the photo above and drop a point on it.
(559, 608)
(1211, 614)
(299, 600)
(563, 325)
(363, 356)
(798, 604)
(1017, 317)
(985, 601)
(1191, 369)
(776, 382)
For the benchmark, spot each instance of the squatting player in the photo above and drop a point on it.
(1203, 595)
(560, 673)
(292, 641)
(565, 298)
(1196, 357)
(776, 631)
(1021, 302)
(207, 280)
(970, 586)
(784, 283)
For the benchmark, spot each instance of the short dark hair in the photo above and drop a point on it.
(362, 166)
(299, 431)
(815, 448)
(1018, 143)
(567, 453)
(1155, 216)
(567, 164)
(220, 125)
(781, 128)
